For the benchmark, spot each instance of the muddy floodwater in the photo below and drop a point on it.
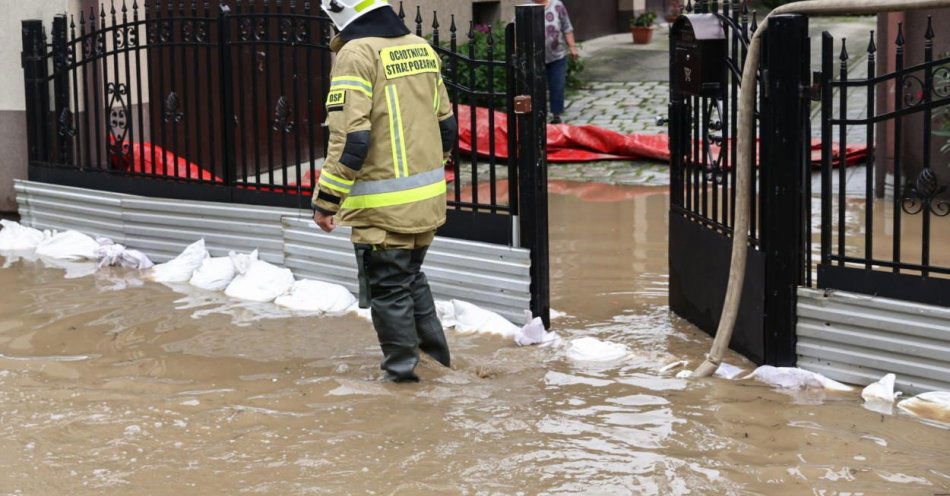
(111, 385)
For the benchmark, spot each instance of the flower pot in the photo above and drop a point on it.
(641, 35)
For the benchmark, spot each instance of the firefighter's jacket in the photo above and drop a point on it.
(391, 127)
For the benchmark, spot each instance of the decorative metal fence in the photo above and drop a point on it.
(224, 102)
(915, 217)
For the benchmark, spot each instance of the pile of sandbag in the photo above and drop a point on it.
(58, 249)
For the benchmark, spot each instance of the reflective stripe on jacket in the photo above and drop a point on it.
(388, 117)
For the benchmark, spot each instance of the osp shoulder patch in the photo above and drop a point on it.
(408, 60)
(336, 98)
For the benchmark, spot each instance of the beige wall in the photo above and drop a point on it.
(12, 104)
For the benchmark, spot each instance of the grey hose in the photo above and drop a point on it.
(730, 307)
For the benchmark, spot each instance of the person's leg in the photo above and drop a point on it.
(557, 75)
(429, 329)
(388, 279)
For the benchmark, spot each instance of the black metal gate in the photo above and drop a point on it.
(224, 102)
(707, 52)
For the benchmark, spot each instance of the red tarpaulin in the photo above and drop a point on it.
(165, 163)
(568, 143)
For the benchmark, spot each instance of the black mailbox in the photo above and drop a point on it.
(699, 55)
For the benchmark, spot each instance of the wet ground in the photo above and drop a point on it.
(110, 385)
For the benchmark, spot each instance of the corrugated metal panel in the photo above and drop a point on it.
(491, 276)
(858, 338)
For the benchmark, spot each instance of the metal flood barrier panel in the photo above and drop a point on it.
(494, 277)
(857, 338)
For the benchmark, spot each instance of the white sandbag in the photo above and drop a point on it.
(881, 391)
(74, 269)
(795, 378)
(317, 296)
(727, 371)
(216, 273)
(17, 237)
(445, 309)
(534, 332)
(262, 282)
(470, 319)
(589, 349)
(111, 254)
(362, 313)
(70, 245)
(180, 268)
(933, 405)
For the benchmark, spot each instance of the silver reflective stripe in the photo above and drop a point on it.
(398, 184)
(353, 82)
(325, 179)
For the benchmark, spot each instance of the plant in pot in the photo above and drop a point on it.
(641, 27)
(673, 11)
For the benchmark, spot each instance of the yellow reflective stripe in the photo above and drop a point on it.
(333, 186)
(352, 87)
(435, 101)
(351, 80)
(396, 197)
(396, 137)
(336, 178)
(362, 5)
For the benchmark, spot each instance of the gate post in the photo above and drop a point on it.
(785, 167)
(226, 89)
(61, 117)
(532, 153)
(35, 72)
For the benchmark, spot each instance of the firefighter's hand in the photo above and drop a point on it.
(324, 221)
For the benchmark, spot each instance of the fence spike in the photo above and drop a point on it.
(871, 46)
(689, 6)
(755, 21)
(402, 13)
(844, 50)
(900, 35)
(418, 18)
(452, 28)
(491, 40)
(135, 5)
(929, 35)
(471, 30)
(435, 20)
(112, 7)
(124, 8)
(72, 21)
(745, 8)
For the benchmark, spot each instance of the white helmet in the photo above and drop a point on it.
(343, 12)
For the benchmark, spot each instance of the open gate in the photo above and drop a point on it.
(707, 51)
(224, 103)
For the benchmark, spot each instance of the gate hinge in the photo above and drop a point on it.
(522, 104)
(813, 92)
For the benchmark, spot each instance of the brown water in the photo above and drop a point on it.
(147, 391)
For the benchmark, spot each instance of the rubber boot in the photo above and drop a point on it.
(390, 287)
(429, 329)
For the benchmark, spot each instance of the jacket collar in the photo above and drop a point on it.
(379, 23)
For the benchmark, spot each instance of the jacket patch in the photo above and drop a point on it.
(336, 98)
(408, 60)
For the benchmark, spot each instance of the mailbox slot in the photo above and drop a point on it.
(699, 55)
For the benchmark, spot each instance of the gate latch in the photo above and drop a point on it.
(522, 104)
(813, 92)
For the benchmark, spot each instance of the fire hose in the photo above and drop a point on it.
(746, 106)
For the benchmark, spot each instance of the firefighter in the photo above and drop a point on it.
(391, 129)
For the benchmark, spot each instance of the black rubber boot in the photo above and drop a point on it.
(390, 287)
(431, 338)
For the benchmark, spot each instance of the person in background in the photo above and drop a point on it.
(558, 44)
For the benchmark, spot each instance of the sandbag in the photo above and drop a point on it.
(590, 349)
(111, 253)
(181, 268)
(317, 296)
(17, 237)
(471, 319)
(933, 405)
(534, 332)
(215, 273)
(881, 391)
(795, 378)
(445, 310)
(72, 246)
(262, 282)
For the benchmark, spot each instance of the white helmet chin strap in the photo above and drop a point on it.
(343, 12)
